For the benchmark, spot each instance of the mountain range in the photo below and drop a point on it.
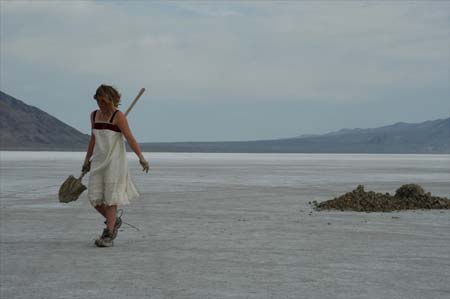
(24, 127)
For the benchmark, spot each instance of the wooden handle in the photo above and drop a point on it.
(134, 101)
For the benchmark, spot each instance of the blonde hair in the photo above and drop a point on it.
(110, 93)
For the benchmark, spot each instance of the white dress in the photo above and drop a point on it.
(109, 181)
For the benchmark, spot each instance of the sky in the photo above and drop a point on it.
(231, 70)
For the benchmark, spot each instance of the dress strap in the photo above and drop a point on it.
(95, 113)
(112, 117)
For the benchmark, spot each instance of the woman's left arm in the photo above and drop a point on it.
(122, 123)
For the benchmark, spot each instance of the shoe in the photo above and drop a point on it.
(118, 224)
(105, 240)
(116, 227)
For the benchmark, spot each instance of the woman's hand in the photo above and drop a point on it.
(86, 166)
(145, 165)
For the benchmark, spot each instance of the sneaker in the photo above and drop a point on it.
(105, 240)
(118, 224)
(116, 227)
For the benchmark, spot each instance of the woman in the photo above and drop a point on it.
(110, 183)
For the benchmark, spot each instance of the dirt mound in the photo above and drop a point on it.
(409, 191)
(407, 197)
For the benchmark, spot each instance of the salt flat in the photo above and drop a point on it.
(226, 226)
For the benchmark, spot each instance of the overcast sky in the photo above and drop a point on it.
(231, 70)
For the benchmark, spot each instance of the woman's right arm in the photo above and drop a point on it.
(90, 149)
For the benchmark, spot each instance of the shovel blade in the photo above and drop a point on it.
(71, 189)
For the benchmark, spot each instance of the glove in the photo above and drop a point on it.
(145, 165)
(86, 166)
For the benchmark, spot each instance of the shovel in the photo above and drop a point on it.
(71, 189)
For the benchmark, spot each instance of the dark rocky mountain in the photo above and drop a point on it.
(24, 127)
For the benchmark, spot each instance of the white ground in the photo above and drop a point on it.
(199, 238)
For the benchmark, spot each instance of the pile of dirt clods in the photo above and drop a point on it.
(407, 197)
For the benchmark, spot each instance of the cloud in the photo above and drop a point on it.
(345, 51)
(210, 9)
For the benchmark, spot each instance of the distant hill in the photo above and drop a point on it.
(430, 137)
(24, 127)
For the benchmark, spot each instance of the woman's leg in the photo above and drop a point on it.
(110, 212)
(101, 209)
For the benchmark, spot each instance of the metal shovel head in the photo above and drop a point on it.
(71, 189)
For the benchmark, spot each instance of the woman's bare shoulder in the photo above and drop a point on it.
(120, 115)
(92, 116)
(119, 118)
